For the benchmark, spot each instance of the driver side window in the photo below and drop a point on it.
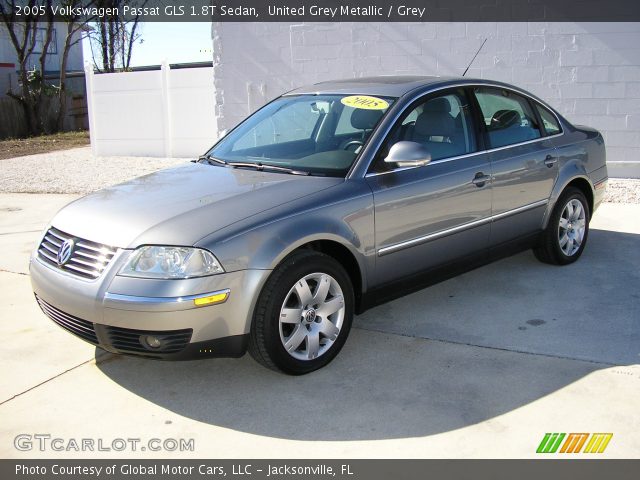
(442, 124)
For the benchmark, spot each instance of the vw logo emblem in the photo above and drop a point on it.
(66, 249)
(310, 315)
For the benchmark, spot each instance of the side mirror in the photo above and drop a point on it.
(408, 154)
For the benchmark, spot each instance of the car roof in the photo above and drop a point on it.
(398, 85)
(384, 86)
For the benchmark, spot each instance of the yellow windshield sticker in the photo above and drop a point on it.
(365, 102)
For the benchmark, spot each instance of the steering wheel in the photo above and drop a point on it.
(350, 143)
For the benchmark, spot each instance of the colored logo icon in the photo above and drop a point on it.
(574, 443)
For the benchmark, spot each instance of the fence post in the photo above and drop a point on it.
(166, 108)
(93, 137)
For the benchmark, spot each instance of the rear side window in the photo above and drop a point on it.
(508, 117)
(549, 121)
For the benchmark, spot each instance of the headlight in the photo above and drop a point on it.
(170, 262)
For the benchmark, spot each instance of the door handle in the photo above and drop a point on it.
(480, 179)
(550, 161)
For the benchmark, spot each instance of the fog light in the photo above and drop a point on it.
(152, 342)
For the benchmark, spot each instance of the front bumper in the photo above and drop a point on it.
(118, 313)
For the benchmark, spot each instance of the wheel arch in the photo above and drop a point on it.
(585, 187)
(270, 246)
(345, 257)
(337, 247)
(572, 175)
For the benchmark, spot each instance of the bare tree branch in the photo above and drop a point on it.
(115, 37)
(75, 25)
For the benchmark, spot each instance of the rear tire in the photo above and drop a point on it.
(303, 315)
(565, 237)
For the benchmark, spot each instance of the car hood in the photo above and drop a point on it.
(179, 206)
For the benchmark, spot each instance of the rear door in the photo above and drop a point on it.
(523, 163)
(430, 215)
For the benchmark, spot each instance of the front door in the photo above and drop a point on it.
(430, 215)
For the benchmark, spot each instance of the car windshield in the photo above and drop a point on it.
(311, 134)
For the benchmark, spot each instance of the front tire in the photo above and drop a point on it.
(303, 315)
(565, 237)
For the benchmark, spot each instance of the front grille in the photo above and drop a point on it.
(88, 259)
(126, 340)
(75, 325)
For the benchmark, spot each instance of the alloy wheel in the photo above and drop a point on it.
(311, 316)
(571, 227)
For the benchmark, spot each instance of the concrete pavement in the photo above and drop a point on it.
(481, 365)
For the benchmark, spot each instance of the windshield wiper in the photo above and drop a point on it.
(211, 160)
(258, 166)
(265, 166)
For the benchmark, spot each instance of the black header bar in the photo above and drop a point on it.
(338, 10)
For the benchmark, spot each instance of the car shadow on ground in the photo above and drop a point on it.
(398, 385)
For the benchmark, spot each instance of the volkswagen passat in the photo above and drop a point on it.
(314, 208)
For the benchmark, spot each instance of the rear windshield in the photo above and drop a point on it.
(319, 134)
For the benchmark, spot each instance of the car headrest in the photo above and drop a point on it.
(505, 119)
(434, 124)
(437, 105)
(362, 119)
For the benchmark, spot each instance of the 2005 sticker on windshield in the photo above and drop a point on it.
(365, 102)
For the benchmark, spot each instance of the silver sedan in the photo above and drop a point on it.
(328, 200)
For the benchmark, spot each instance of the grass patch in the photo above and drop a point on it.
(46, 143)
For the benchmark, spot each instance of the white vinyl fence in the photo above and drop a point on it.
(160, 113)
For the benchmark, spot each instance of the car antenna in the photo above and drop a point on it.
(474, 57)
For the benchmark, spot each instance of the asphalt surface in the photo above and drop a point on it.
(482, 365)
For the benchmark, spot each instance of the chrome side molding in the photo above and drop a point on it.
(450, 231)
